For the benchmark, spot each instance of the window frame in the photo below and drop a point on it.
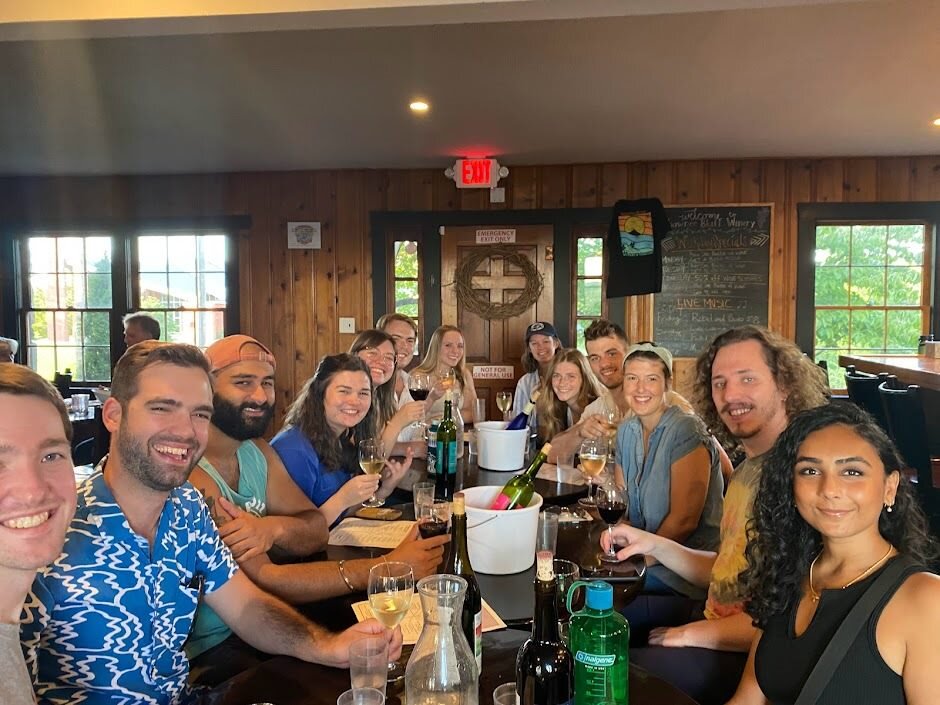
(812, 215)
(124, 285)
(578, 233)
(405, 235)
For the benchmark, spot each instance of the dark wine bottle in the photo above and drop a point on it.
(522, 418)
(517, 493)
(446, 451)
(458, 563)
(544, 667)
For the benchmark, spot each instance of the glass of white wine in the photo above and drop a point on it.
(448, 377)
(391, 587)
(593, 457)
(372, 460)
(504, 402)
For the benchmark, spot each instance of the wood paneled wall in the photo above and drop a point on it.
(293, 299)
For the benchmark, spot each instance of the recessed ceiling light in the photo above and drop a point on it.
(418, 106)
(937, 122)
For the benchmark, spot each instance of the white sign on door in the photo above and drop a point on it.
(494, 372)
(493, 237)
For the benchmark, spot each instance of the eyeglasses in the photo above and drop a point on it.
(373, 354)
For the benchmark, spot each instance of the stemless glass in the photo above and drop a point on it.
(433, 518)
(372, 460)
(391, 587)
(593, 457)
(611, 505)
(504, 403)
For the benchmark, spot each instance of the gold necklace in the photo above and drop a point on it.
(815, 595)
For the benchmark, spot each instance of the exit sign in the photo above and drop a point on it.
(476, 173)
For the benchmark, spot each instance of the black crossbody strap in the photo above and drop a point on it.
(833, 654)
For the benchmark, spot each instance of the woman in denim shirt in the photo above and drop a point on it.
(669, 465)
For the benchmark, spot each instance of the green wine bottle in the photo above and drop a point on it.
(458, 563)
(517, 493)
(446, 451)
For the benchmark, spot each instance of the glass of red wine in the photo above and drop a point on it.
(419, 386)
(611, 505)
(433, 518)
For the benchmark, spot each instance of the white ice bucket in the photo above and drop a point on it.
(500, 542)
(498, 448)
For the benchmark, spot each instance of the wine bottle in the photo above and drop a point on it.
(446, 451)
(458, 563)
(544, 667)
(522, 418)
(517, 493)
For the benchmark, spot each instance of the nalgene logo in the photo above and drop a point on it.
(601, 660)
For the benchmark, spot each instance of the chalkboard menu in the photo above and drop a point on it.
(716, 263)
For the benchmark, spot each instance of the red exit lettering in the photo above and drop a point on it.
(475, 172)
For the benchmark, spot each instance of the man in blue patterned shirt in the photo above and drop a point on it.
(106, 622)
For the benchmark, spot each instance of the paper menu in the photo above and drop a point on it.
(413, 622)
(369, 533)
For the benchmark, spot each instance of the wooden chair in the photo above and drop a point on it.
(862, 389)
(907, 425)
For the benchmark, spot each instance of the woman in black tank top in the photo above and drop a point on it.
(831, 514)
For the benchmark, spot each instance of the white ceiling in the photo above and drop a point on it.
(605, 81)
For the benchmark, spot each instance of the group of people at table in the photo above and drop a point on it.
(166, 585)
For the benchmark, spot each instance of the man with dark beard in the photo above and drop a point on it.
(257, 507)
(107, 620)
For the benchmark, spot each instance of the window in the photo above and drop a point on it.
(69, 297)
(76, 287)
(181, 283)
(872, 290)
(405, 277)
(588, 283)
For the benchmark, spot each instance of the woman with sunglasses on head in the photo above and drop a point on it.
(445, 361)
(832, 515)
(377, 350)
(319, 443)
(669, 464)
(568, 388)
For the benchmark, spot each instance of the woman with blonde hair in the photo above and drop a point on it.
(445, 363)
(568, 388)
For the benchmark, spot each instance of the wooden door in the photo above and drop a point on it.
(496, 342)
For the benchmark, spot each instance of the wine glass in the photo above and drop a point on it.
(504, 402)
(391, 587)
(593, 457)
(613, 417)
(433, 518)
(419, 386)
(447, 376)
(372, 460)
(611, 505)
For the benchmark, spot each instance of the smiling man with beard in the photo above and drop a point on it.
(257, 506)
(107, 620)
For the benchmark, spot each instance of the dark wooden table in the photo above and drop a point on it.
(287, 681)
(910, 369)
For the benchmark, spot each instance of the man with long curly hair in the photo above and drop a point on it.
(748, 384)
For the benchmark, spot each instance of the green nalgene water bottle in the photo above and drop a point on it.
(599, 638)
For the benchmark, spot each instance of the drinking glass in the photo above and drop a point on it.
(505, 694)
(423, 494)
(433, 518)
(504, 403)
(361, 696)
(611, 505)
(593, 457)
(447, 377)
(565, 464)
(368, 663)
(566, 572)
(391, 587)
(419, 386)
(546, 537)
(372, 460)
(479, 411)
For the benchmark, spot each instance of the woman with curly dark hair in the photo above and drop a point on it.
(831, 514)
(319, 441)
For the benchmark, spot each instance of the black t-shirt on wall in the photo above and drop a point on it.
(634, 241)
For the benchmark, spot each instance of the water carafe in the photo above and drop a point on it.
(442, 669)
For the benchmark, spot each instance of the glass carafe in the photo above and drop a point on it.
(442, 669)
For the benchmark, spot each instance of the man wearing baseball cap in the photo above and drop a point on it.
(257, 507)
(541, 344)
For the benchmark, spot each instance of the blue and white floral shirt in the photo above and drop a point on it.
(106, 622)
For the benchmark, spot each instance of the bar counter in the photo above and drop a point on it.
(909, 369)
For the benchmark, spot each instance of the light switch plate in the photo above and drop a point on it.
(347, 325)
(498, 194)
